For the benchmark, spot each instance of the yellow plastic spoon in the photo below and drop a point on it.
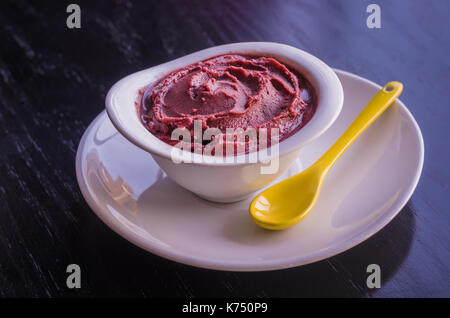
(289, 201)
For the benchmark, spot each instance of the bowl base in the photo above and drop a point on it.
(293, 169)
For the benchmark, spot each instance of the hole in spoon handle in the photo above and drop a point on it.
(393, 88)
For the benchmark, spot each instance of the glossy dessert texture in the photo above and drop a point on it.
(228, 91)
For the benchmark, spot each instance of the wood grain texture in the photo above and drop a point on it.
(53, 83)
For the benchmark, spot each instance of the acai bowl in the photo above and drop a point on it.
(132, 104)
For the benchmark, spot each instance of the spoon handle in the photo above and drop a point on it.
(382, 100)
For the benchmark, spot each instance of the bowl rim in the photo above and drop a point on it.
(121, 105)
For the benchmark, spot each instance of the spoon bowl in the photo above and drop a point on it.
(272, 213)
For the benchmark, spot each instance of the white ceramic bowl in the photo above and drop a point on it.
(227, 182)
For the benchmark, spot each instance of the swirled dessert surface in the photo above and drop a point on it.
(228, 91)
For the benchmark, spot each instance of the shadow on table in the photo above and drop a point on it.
(343, 275)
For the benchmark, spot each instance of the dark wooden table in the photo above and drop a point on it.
(53, 83)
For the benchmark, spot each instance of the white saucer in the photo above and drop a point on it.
(366, 188)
